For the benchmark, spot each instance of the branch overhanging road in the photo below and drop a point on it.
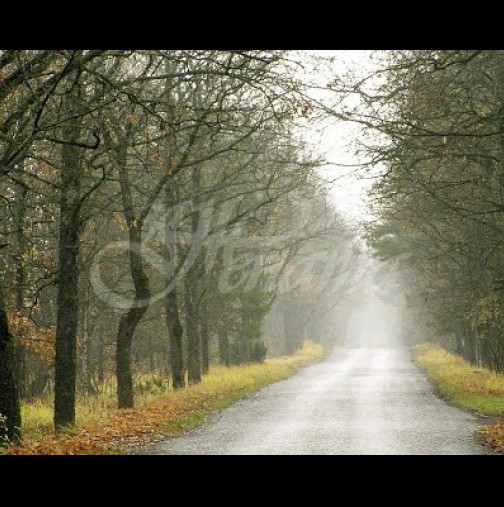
(358, 401)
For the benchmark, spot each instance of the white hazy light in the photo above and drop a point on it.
(336, 139)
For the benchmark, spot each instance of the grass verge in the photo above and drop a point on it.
(102, 429)
(467, 386)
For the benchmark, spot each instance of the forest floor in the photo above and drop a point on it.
(102, 429)
(461, 383)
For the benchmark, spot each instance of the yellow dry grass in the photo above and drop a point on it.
(102, 429)
(477, 389)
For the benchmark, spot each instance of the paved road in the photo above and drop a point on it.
(358, 401)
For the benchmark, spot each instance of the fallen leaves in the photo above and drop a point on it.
(493, 436)
(123, 431)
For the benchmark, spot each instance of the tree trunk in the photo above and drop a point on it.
(193, 335)
(100, 367)
(87, 332)
(176, 333)
(68, 293)
(20, 283)
(223, 340)
(173, 323)
(193, 291)
(173, 320)
(205, 352)
(38, 384)
(293, 331)
(127, 327)
(87, 364)
(129, 322)
(151, 354)
(10, 410)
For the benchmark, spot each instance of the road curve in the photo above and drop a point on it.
(358, 401)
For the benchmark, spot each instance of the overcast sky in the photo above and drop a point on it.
(335, 139)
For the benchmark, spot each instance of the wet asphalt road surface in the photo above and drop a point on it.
(358, 401)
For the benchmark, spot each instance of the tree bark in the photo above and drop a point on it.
(176, 333)
(192, 290)
(100, 367)
(87, 332)
(20, 277)
(205, 352)
(10, 429)
(173, 320)
(223, 340)
(129, 322)
(193, 335)
(68, 293)
(127, 327)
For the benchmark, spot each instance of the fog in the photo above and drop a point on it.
(362, 306)
(374, 322)
(377, 308)
(180, 229)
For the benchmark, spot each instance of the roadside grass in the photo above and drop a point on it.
(102, 429)
(467, 386)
